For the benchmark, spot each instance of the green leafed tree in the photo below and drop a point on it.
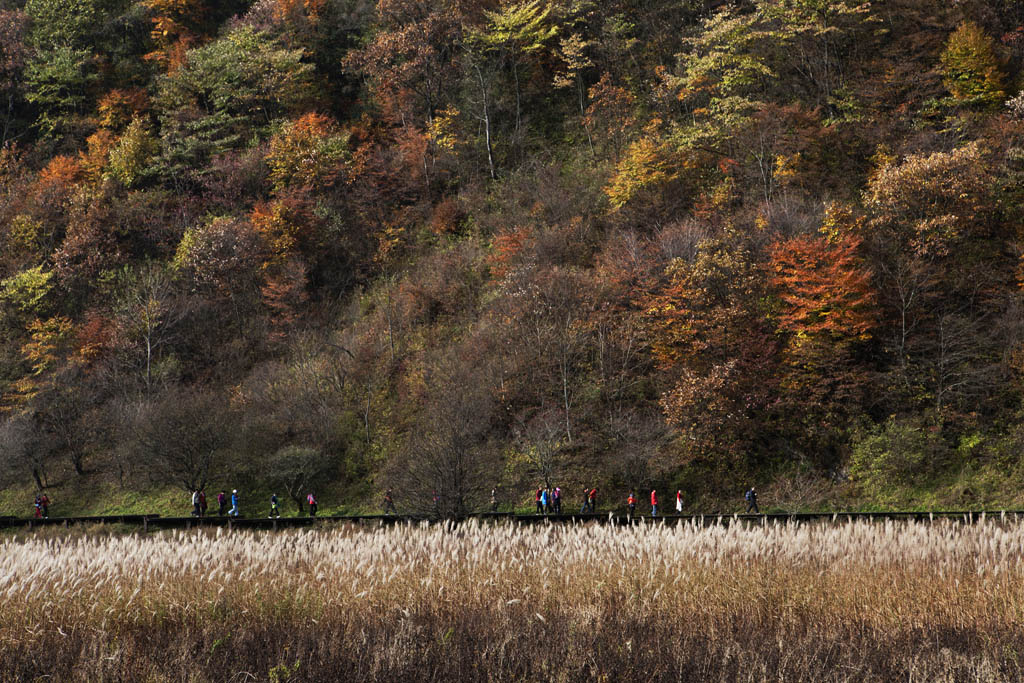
(971, 68)
(130, 158)
(24, 294)
(505, 40)
(58, 82)
(227, 94)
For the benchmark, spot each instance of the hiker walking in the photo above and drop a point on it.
(195, 503)
(679, 502)
(654, 503)
(537, 500)
(494, 500)
(592, 499)
(274, 510)
(202, 502)
(311, 501)
(586, 500)
(543, 506)
(44, 503)
(751, 497)
(222, 503)
(557, 497)
(389, 503)
(234, 503)
(631, 504)
(39, 506)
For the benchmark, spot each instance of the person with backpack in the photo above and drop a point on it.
(389, 503)
(274, 510)
(592, 499)
(586, 500)
(234, 503)
(679, 502)
(543, 506)
(751, 497)
(311, 500)
(536, 500)
(38, 506)
(44, 503)
(654, 503)
(195, 503)
(202, 502)
(557, 499)
(222, 503)
(631, 504)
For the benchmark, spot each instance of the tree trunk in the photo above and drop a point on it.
(486, 118)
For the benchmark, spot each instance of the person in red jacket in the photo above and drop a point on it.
(631, 504)
(654, 503)
(592, 499)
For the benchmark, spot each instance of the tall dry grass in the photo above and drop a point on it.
(860, 601)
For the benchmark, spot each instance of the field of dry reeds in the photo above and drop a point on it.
(858, 601)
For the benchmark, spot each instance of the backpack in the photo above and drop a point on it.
(749, 495)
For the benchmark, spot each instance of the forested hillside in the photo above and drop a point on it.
(444, 245)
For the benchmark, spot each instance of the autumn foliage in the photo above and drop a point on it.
(651, 244)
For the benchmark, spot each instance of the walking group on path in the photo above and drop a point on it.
(547, 500)
(199, 506)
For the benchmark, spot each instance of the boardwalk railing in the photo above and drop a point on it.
(156, 522)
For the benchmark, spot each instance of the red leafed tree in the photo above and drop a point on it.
(828, 308)
(824, 288)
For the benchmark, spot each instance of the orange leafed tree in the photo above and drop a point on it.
(824, 288)
(827, 305)
(174, 30)
(287, 226)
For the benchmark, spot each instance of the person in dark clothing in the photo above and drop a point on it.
(537, 499)
(556, 496)
(311, 500)
(494, 500)
(222, 503)
(586, 500)
(389, 503)
(202, 503)
(44, 501)
(631, 504)
(752, 501)
(274, 510)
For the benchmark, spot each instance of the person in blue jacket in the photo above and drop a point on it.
(751, 497)
(234, 503)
